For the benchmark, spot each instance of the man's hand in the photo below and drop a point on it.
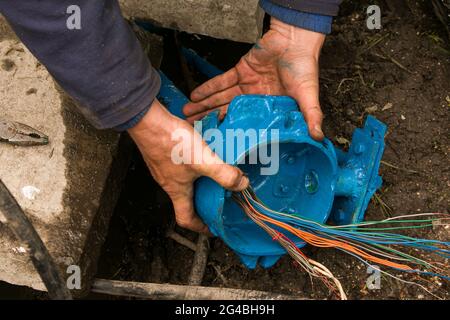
(154, 138)
(284, 62)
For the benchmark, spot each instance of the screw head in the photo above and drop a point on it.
(290, 210)
(311, 182)
(284, 188)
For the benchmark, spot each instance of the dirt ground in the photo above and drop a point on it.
(400, 74)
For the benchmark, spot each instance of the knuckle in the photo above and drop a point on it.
(184, 223)
(320, 115)
(313, 112)
(232, 179)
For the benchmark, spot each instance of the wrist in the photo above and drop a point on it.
(153, 123)
(309, 20)
(304, 40)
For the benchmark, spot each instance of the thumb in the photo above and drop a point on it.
(308, 99)
(307, 96)
(226, 175)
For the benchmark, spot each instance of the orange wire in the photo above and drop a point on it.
(326, 243)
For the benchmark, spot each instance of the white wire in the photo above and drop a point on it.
(306, 264)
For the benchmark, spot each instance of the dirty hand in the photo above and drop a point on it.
(159, 136)
(283, 62)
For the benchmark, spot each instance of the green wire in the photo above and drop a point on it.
(383, 222)
(397, 228)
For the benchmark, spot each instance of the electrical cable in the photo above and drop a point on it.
(363, 240)
(24, 231)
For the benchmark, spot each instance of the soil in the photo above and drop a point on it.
(400, 74)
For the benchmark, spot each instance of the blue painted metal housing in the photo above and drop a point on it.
(314, 179)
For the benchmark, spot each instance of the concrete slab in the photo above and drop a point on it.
(224, 19)
(68, 188)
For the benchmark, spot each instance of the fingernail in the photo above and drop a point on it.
(185, 111)
(244, 183)
(319, 131)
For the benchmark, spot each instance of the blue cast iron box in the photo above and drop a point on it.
(314, 179)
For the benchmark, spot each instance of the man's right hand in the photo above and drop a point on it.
(154, 138)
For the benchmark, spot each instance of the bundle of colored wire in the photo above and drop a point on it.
(367, 241)
(313, 268)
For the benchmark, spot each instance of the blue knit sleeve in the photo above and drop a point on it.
(309, 21)
(100, 63)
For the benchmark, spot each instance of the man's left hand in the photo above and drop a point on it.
(284, 62)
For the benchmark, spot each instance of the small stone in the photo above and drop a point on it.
(30, 192)
(342, 140)
(387, 106)
(372, 109)
(19, 250)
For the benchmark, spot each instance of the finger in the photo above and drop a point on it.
(212, 102)
(308, 98)
(200, 116)
(217, 84)
(226, 175)
(185, 214)
(223, 112)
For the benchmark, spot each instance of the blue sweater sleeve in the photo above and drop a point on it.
(310, 21)
(101, 64)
